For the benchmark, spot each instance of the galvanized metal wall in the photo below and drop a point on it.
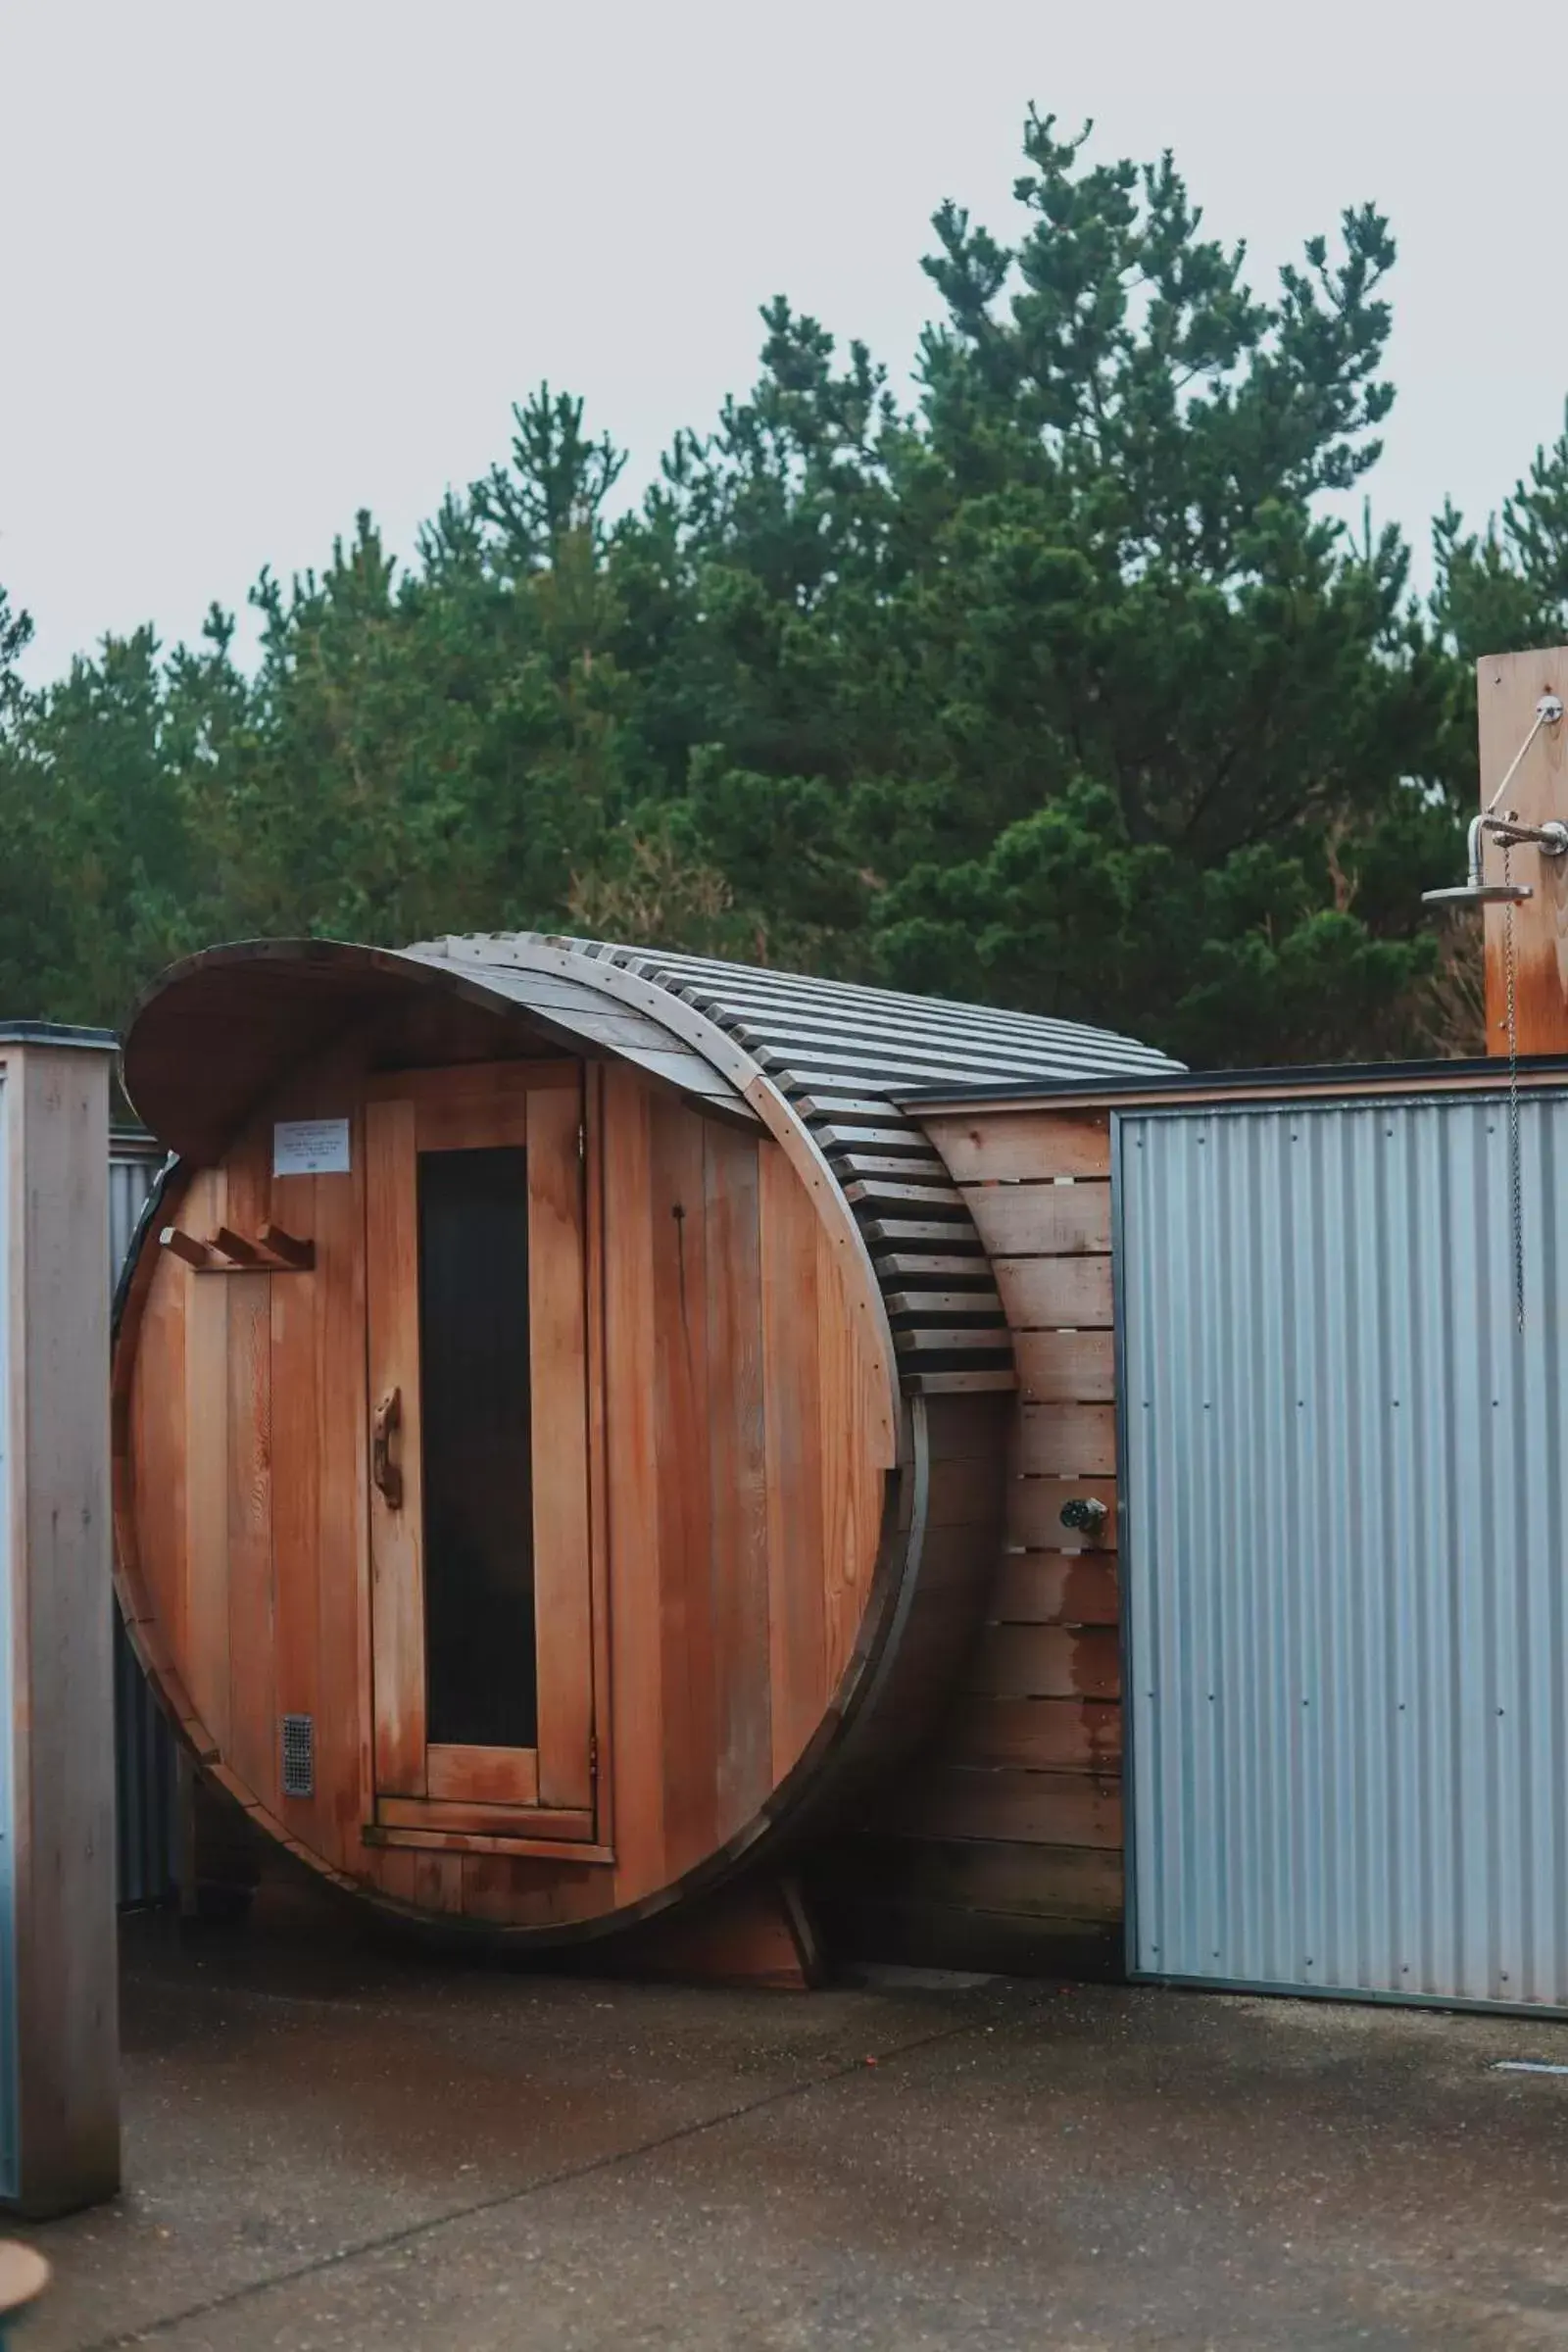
(1345, 1546)
(144, 1748)
(134, 1163)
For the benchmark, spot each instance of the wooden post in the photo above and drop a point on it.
(59, 2064)
(1509, 686)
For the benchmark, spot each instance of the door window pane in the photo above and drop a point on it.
(480, 1661)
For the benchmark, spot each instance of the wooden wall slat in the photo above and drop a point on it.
(487, 1091)
(397, 1591)
(1057, 1587)
(1065, 1735)
(296, 1428)
(604, 1778)
(516, 1893)
(159, 1456)
(1067, 1438)
(1041, 1220)
(852, 1504)
(487, 1888)
(797, 1601)
(738, 1560)
(345, 1726)
(1038, 1661)
(1066, 1367)
(395, 1873)
(206, 1403)
(438, 1882)
(1055, 1293)
(684, 1484)
(558, 1404)
(1033, 1808)
(471, 1105)
(248, 1397)
(252, 1665)
(979, 1146)
(636, 1690)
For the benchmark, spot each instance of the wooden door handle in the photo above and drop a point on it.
(386, 1473)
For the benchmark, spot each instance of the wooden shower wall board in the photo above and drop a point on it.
(1001, 1847)
(1509, 687)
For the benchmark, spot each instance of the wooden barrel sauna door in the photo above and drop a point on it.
(480, 1572)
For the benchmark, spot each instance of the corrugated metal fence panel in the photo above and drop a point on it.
(144, 1748)
(1345, 1546)
(144, 1783)
(134, 1170)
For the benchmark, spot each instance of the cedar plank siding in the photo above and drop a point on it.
(1002, 1845)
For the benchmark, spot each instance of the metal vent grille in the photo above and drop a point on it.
(299, 1755)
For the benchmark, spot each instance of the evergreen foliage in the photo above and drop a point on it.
(1063, 688)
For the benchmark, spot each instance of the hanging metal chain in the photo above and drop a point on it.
(1516, 1204)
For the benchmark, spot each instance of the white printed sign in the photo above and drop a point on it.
(309, 1148)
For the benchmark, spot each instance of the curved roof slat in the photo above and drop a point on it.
(756, 992)
(576, 1011)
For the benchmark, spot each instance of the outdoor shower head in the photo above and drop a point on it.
(1478, 894)
(1550, 838)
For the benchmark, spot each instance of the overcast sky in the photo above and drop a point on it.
(267, 264)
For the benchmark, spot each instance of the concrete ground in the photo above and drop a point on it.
(333, 2144)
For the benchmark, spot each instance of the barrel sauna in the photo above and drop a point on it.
(561, 1407)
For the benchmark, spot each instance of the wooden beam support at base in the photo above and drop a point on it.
(760, 1935)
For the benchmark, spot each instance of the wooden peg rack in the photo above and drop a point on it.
(272, 1251)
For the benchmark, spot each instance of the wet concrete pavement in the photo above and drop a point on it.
(329, 2143)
